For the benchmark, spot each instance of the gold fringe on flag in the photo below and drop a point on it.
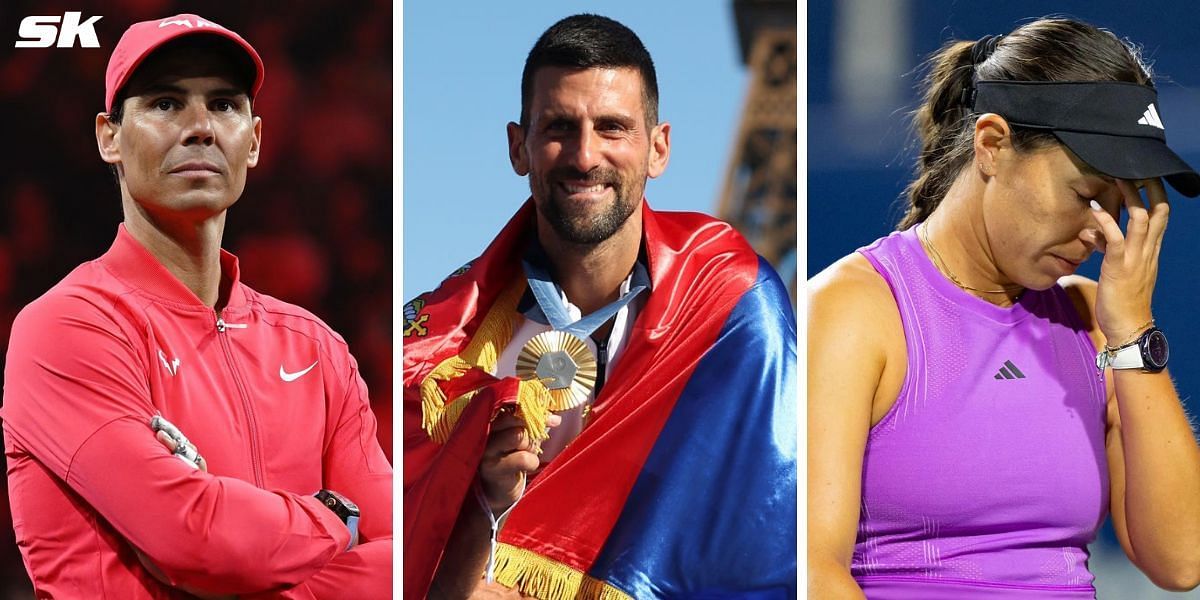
(535, 575)
(438, 417)
(533, 403)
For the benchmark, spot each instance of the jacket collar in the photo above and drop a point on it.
(132, 263)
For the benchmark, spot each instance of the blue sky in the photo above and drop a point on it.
(462, 74)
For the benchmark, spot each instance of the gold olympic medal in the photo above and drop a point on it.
(563, 363)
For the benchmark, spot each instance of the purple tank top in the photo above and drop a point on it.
(988, 477)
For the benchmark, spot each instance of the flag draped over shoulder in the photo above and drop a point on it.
(684, 481)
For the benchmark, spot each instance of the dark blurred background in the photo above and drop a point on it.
(314, 226)
(862, 61)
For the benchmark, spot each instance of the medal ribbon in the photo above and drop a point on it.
(553, 311)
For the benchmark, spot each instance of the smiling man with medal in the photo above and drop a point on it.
(603, 404)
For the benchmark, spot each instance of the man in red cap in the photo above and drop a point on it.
(158, 337)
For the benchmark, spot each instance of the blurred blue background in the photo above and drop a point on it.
(462, 84)
(862, 60)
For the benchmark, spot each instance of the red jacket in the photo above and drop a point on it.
(273, 401)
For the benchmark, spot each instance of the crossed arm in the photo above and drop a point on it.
(86, 419)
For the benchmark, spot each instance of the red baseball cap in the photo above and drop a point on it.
(142, 39)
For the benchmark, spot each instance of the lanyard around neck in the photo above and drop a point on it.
(555, 312)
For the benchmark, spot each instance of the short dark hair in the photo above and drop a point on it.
(587, 41)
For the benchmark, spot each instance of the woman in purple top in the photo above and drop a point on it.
(975, 409)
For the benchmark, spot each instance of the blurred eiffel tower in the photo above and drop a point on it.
(759, 195)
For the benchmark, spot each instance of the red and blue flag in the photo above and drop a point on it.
(683, 483)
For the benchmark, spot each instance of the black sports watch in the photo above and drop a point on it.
(1148, 353)
(345, 510)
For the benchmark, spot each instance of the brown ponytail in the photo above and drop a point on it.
(938, 122)
(1043, 50)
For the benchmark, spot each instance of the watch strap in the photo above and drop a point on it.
(1137, 354)
(1128, 357)
(352, 525)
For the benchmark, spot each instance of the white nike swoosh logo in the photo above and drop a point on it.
(284, 375)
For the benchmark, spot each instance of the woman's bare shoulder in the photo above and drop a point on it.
(850, 303)
(851, 282)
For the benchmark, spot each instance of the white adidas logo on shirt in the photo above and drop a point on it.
(1150, 117)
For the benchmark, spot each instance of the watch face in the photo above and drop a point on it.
(1155, 349)
(342, 506)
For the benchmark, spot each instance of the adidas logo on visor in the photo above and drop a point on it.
(1150, 117)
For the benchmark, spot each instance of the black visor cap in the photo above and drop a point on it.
(1132, 159)
(1114, 127)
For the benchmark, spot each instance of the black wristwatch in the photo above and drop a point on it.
(345, 510)
(1148, 353)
